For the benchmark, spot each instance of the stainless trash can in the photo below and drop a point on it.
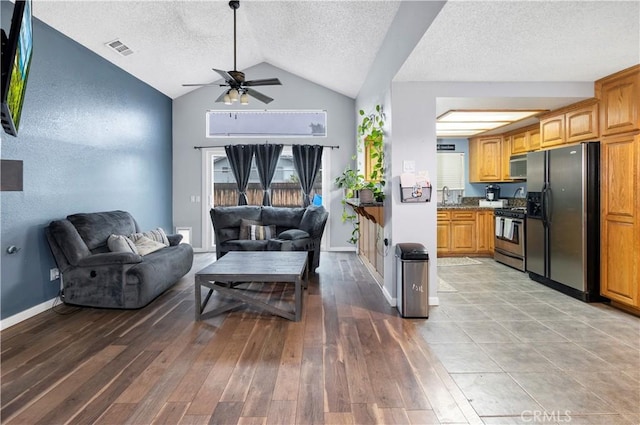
(412, 280)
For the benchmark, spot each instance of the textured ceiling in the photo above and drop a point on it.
(333, 43)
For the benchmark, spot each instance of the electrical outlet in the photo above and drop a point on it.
(54, 274)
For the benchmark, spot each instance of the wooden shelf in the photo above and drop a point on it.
(372, 211)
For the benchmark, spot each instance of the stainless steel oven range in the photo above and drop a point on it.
(509, 240)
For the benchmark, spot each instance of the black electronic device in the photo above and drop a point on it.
(17, 49)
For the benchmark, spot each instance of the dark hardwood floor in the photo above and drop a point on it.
(350, 360)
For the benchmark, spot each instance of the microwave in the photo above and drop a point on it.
(518, 167)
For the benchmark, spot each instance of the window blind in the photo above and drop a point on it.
(451, 170)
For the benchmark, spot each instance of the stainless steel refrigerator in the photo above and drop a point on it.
(563, 219)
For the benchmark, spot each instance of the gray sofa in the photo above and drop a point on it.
(93, 276)
(293, 229)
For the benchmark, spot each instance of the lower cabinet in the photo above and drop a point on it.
(465, 232)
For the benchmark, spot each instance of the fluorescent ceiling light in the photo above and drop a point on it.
(478, 115)
(471, 122)
(483, 125)
(450, 133)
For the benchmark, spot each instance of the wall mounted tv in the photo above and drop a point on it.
(16, 60)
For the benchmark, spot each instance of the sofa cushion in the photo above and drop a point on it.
(246, 245)
(95, 228)
(313, 220)
(283, 218)
(245, 226)
(145, 246)
(69, 241)
(293, 234)
(157, 235)
(121, 243)
(260, 233)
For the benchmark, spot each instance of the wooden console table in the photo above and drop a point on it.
(371, 240)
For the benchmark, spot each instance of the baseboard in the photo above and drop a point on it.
(26, 314)
(434, 301)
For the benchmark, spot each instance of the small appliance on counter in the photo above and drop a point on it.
(492, 192)
(500, 203)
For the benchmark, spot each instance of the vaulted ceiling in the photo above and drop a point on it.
(334, 43)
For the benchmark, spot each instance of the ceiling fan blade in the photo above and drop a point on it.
(227, 77)
(264, 82)
(261, 97)
(221, 97)
(199, 85)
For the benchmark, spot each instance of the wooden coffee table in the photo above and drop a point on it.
(229, 276)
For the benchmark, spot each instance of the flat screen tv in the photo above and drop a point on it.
(17, 48)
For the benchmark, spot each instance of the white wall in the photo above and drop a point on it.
(295, 93)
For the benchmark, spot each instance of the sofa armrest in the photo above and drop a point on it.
(110, 258)
(174, 239)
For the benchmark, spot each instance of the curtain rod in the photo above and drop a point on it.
(283, 144)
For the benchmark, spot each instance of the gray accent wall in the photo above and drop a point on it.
(92, 138)
(295, 93)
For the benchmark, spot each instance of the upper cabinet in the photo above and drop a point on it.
(485, 159)
(525, 140)
(575, 123)
(619, 101)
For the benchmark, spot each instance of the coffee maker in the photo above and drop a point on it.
(492, 192)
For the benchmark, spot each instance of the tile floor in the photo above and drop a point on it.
(523, 353)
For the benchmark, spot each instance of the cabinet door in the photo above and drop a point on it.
(474, 160)
(620, 101)
(463, 237)
(582, 124)
(506, 156)
(519, 143)
(552, 131)
(481, 232)
(534, 140)
(620, 219)
(490, 159)
(444, 233)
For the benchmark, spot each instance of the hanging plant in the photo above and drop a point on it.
(350, 181)
(371, 132)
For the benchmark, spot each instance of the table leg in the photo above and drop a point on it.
(198, 292)
(298, 299)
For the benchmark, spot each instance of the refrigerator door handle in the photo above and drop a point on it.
(543, 205)
(547, 205)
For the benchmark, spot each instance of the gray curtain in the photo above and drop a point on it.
(240, 157)
(307, 160)
(266, 160)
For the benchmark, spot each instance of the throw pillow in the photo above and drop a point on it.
(157, 235)
(145, 246)
(121, 243)
(244, 227)
(293, 235)
(261, 233)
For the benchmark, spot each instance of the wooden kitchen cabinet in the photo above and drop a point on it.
(525, 140)
(620, 219)
(505, 157)
(575, 123)
(619, 96)
(485, 159)
(465, 232)
(486, 226)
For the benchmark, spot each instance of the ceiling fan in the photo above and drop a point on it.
(239, 89)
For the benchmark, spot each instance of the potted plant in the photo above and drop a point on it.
(371, 132)
(351, 182)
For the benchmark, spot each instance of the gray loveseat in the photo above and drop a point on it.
(289, 229)
(93, 276)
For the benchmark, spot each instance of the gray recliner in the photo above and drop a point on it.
(93, 276)
(310, 221)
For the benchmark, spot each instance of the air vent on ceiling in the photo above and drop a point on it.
(119, 47)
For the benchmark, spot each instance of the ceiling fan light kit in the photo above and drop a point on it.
(235, 80)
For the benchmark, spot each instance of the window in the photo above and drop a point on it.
(285, 187)
(299, 124)
(451, 170)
